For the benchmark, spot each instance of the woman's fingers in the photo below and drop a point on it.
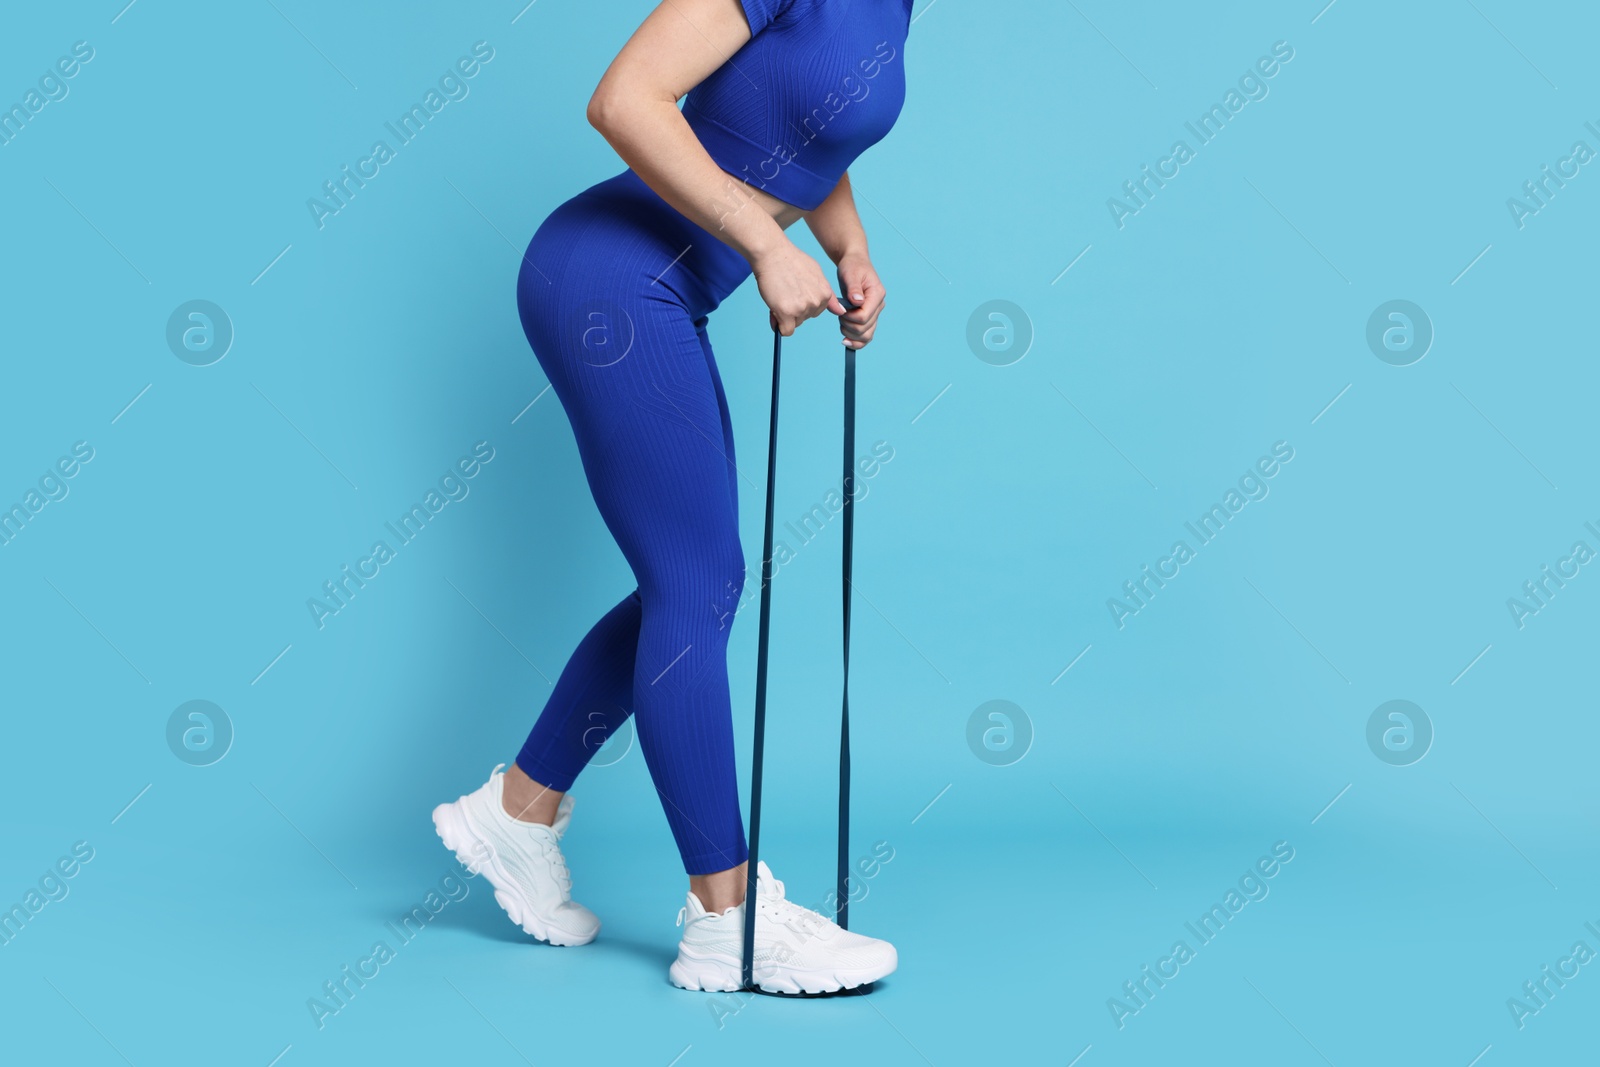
(858, 324)
(857, 336)
(864, 316)
(795, 289)
(868, 312)
(856, 277)
(789, 319)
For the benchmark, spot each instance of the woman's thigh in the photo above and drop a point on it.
(632, 367)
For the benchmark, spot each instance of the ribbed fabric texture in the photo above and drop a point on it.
(615, 309)
(614, 292)
(817, 84)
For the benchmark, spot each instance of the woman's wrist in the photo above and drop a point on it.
(852, 252)
(770, 240)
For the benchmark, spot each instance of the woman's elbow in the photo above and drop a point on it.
(612, 104)
(602, 108)
(619, 106)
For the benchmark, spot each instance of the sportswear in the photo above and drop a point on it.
(614, 294)
(797, 950)
(522, 860)
(818, 83)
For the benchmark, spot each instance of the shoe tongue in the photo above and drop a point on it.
(563, 816)
(767, 887)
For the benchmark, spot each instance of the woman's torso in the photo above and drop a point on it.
(847, 93)
(791, 110)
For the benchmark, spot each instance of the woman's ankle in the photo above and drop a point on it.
(526, 800)
(719, 890)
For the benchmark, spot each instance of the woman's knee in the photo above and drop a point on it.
(711, 582)
(732, 588)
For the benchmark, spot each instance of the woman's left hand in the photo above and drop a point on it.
(861, 289)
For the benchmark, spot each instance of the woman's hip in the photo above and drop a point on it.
(619, 240)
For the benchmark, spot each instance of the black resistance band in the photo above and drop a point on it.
(849, 512)
(843, 897)
(747, 976)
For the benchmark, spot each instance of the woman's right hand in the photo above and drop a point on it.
(794, 287)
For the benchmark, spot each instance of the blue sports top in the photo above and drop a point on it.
(818, 83)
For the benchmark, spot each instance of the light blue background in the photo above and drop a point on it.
(1228, 314)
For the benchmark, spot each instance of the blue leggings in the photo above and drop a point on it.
(614, 292)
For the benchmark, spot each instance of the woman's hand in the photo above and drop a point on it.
(793, 286)
(860, 284)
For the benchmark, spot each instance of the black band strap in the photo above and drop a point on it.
(849, 511)
(747, 977)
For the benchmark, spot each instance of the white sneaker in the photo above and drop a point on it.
(797, 950)
(521, 860)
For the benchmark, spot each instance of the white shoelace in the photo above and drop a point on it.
(552, 854)
(783, 910)
(545, 846)
(800, 920)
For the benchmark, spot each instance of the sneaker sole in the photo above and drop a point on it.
(455, 830)
(719, 975)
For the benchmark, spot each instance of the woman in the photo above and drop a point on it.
(614, 294)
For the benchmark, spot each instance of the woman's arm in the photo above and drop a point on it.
(635, 107)
(838, 230)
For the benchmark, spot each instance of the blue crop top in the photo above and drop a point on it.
(818, 83)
